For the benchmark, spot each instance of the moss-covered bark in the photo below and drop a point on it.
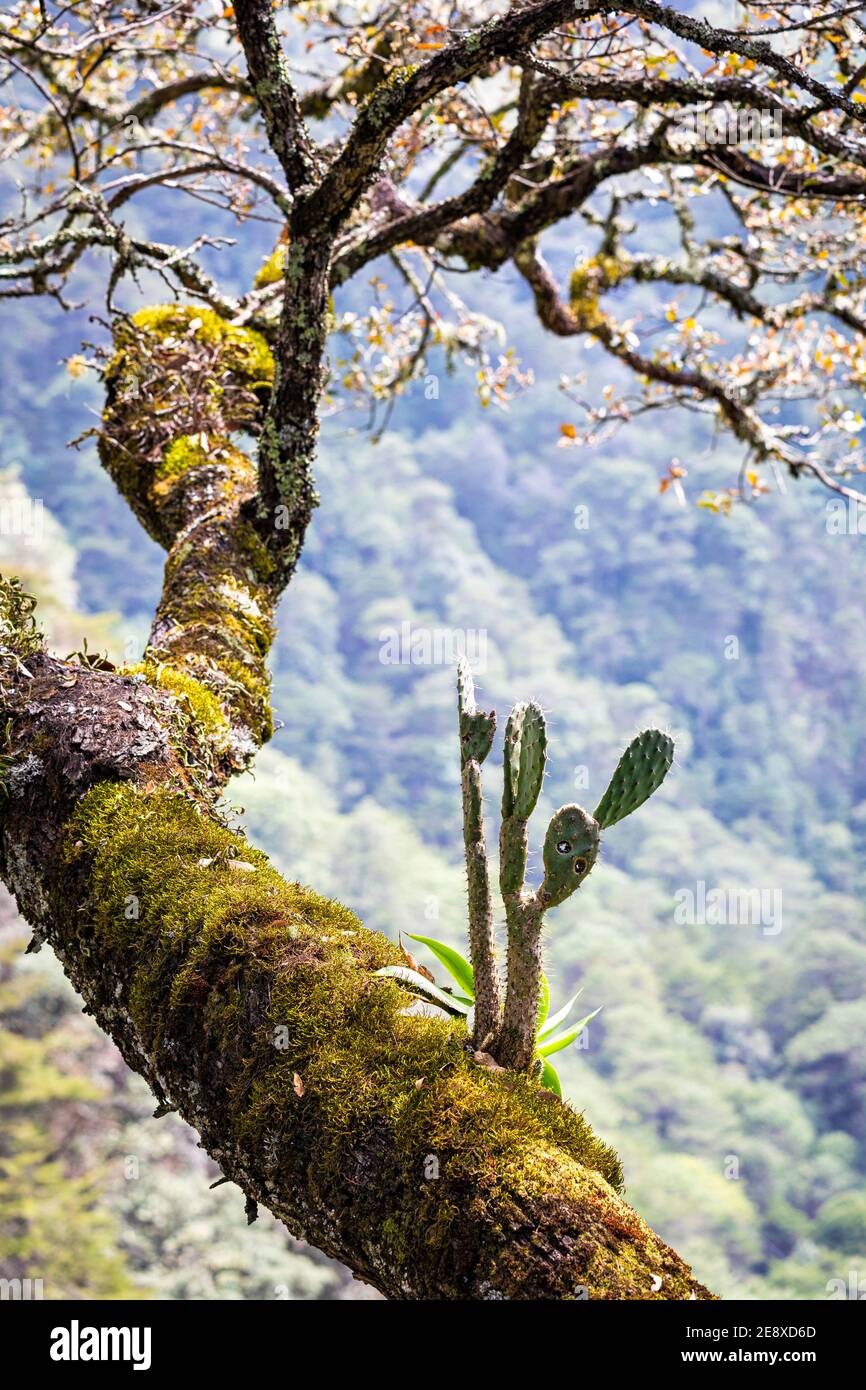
(250, 1004)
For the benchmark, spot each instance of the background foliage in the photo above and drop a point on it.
(728, 1064)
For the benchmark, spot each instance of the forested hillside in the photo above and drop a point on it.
(728, 1064)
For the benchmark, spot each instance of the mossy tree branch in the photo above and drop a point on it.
(274, 91)
(251, 1005)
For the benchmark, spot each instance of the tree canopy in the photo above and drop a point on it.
(429, 138)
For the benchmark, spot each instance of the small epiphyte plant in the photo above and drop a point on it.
(510, 1031)
(19, 632)
(460, 1003)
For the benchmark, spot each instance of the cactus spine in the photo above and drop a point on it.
(476, 739)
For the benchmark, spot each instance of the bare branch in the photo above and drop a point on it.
(273, 90)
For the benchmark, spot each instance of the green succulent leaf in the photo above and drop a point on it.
(570, 851)
(525, 756)
(543, 1001)
(457, 966)
(560, 1016)
(639, 772)
(425, 989)
(563, 1039)
(550, 1079)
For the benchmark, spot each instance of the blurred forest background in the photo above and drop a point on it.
(729, 1062)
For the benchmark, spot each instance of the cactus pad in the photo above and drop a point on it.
(476, 727)
(570, 850)
(525, 757)
(639, 772)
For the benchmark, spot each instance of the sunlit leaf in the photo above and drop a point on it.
(550, 1079)
(559, 1017)
(457, 966)
(543, 1002)
(558, 1043)
(424, 989)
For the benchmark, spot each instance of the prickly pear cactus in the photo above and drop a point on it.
(476, 727)
(570, 850)
(525, 757)
(571, 847)
(639, 772)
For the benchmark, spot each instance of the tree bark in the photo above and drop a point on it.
(251, 1005)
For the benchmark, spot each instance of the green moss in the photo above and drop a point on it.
(226, 605)
(245, 619)
(256, 681)
(150, 849)
(601, 272)
(397, 77)
(182, 453)
(203, 926)
(272, 269)
(244, 350)
(251, 543)
(241, 985)
(202, 704)
(189, 451)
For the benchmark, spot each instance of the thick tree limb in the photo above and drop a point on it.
(251, 1005)
(394, 102)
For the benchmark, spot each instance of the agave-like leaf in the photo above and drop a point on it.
(550, 1079)
(425, 989)
(563, 1039)
(543, 1001)
(559, 1017)
(457, 966)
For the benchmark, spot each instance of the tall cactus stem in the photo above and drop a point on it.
(516, 1047)
(571, 847)
(524, 762)
(476, 738)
